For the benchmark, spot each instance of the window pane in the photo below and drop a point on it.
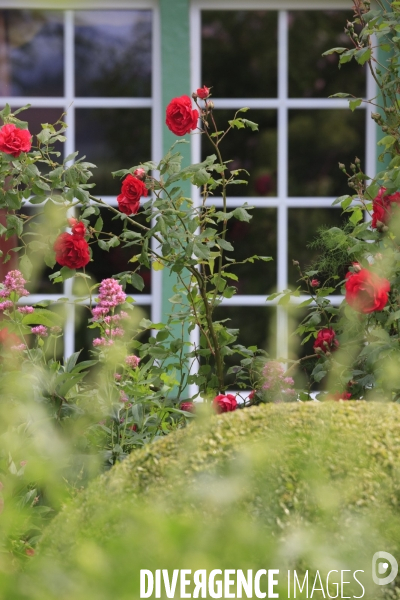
(254, 151)
(311, 75)
(318, 141)
(31, 53)
(106, 264)
(113, 53)
(113, 139)
(239, 53)
(258, 237)
(304, 224)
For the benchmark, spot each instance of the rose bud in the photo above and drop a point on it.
(314, 283)
(203, 92)
(140, 173)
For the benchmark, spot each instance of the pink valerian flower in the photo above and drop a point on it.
(117, 332)
(14, 282)
(98, 312)
(111, 293)
(123, 397)
(132, 361)
(277, 386)
(25, 310)
(123, 314)
(40, 330)
(18, 348)
(102, 342)
(6, 305)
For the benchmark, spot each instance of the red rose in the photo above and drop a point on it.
(13, 140)
(181, 118)
(365, 291)
(188, 407)
(382, 208)
(314, 283)
(336, 396)
(326, 340)
(72, 251)
(224, 403)
(131, 191)
(203, 92)
(78, 228)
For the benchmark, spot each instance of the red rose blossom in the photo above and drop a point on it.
(224, 403)
(188, 407)
(72, 251)
(314, 283)
(366, 291)
(131, 191)
(336, 396)
(382, 209)
(203, 92)
(326, 340)
(180, 117)
(78, 228)
(14, 141)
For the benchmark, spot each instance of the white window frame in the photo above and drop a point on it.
(282, 202)
(69, 103)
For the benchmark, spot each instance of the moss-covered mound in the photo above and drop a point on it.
(307, 486)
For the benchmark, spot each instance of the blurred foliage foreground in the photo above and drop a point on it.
(289, 486)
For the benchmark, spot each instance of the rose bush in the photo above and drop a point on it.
(131, 191)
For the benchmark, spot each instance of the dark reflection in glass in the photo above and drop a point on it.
(239, 53)
(257, 326)
(113, 53)
(84, 337)
(113, 139)
(254, 151)
(314, 76)
(304, 224)
(106, 264)
(258, 237)
(31, 53)
(318, 141)
(35, 117)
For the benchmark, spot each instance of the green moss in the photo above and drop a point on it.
(292, 485)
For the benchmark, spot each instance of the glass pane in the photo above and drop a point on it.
(254, 151)
(314, 76)
(106, 264)
(318, 141)
(113, 139)
(84, 337)
(113, 53)
(257, 326)
(31, 53)
(249, 239)
(304, 224)
(35, 117)
(239, 53)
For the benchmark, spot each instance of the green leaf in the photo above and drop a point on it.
(42, 316)
(334, 51)
(354, 103)
(253, 126)
(363, 55)
(225, 245)
(356, 216)
(201, 251)
(241, 214)
(26, 267)
(339, 95)
(67, 273)
(137, 281)
(200, 177)
(98, 226)
(387, 141)
(238, 123)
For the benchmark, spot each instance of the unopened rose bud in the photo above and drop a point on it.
(296, 263)
(314, 283)
(357, 160)
(385, 228)
(378, 256)
(210, 105)
(356, 267)
(380, 225)
(375, 116)
(203, 92)
(353, 167)
(140, 173)
(385, 128)
(342, 167)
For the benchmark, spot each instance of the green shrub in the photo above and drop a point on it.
(291, 486)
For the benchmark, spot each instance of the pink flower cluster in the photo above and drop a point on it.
(40, 330)
(14, 282)
(111, 295)
(132, 361)
(275, 382)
